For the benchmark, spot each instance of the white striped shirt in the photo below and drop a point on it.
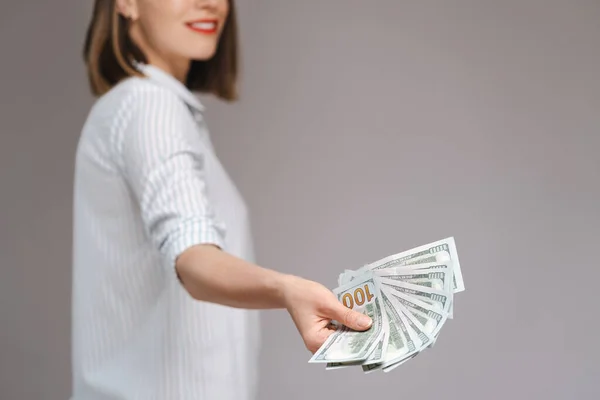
(147, 186)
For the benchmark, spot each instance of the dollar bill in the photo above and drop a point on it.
(378, 352)
(439, 251)
(436, 298)
(377, 355)
(434, 275)
(390, 367)
(345, 277)
(414, 330)
(430, 317)
(346, 345)
(401, 343)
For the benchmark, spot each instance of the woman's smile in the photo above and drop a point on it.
(205, 26)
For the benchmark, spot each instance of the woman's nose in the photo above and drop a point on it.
(209, 3)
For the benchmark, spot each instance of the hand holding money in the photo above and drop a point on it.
(409, 297)
(312, 307)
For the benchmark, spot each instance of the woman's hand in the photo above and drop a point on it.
(312, 307)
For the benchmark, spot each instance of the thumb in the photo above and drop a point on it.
(351, 318)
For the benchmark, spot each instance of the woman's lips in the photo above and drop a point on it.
(205, 26)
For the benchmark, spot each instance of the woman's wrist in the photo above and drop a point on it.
(282, 284)
(290, 287)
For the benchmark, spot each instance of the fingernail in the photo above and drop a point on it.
(364, 321)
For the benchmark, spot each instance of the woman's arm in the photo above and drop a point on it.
(212, 275)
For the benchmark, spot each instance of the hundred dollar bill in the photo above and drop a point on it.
(431, 274)
(345, 277)
(347, 345)
(439, 251)
(399, 363)
(376, 356)
(436, 298)
(378, 353)
(434, 275)
(414, 330)
(431, 318)
(400, 344)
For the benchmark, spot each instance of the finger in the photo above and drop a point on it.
(351, 318)
(314, 342)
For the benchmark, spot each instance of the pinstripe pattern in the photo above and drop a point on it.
(148, 185)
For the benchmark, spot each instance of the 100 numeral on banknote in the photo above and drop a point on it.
(347, 345)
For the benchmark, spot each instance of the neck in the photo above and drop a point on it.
(176, 66)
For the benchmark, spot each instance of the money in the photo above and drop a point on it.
(440, 251)
(433, 275)
(409, 296)
(346, 345)
(401, 344)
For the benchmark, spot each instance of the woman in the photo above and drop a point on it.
(164, 284)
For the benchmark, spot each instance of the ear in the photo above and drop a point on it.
(127, 8)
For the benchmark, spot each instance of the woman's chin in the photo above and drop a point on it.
(203, 55)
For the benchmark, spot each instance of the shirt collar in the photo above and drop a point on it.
(165, 79)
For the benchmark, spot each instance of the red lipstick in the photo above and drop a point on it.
(206, 26)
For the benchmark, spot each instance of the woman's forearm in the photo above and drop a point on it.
(212, 275)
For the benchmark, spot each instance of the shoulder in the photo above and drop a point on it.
(138, 108)
(141, 97)
(149, 118)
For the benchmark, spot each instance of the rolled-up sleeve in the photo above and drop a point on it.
(165, 165)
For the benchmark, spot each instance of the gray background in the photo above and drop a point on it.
(365, 128)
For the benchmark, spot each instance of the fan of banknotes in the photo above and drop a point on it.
(409, 297)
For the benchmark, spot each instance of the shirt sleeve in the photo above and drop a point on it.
(164, 164)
